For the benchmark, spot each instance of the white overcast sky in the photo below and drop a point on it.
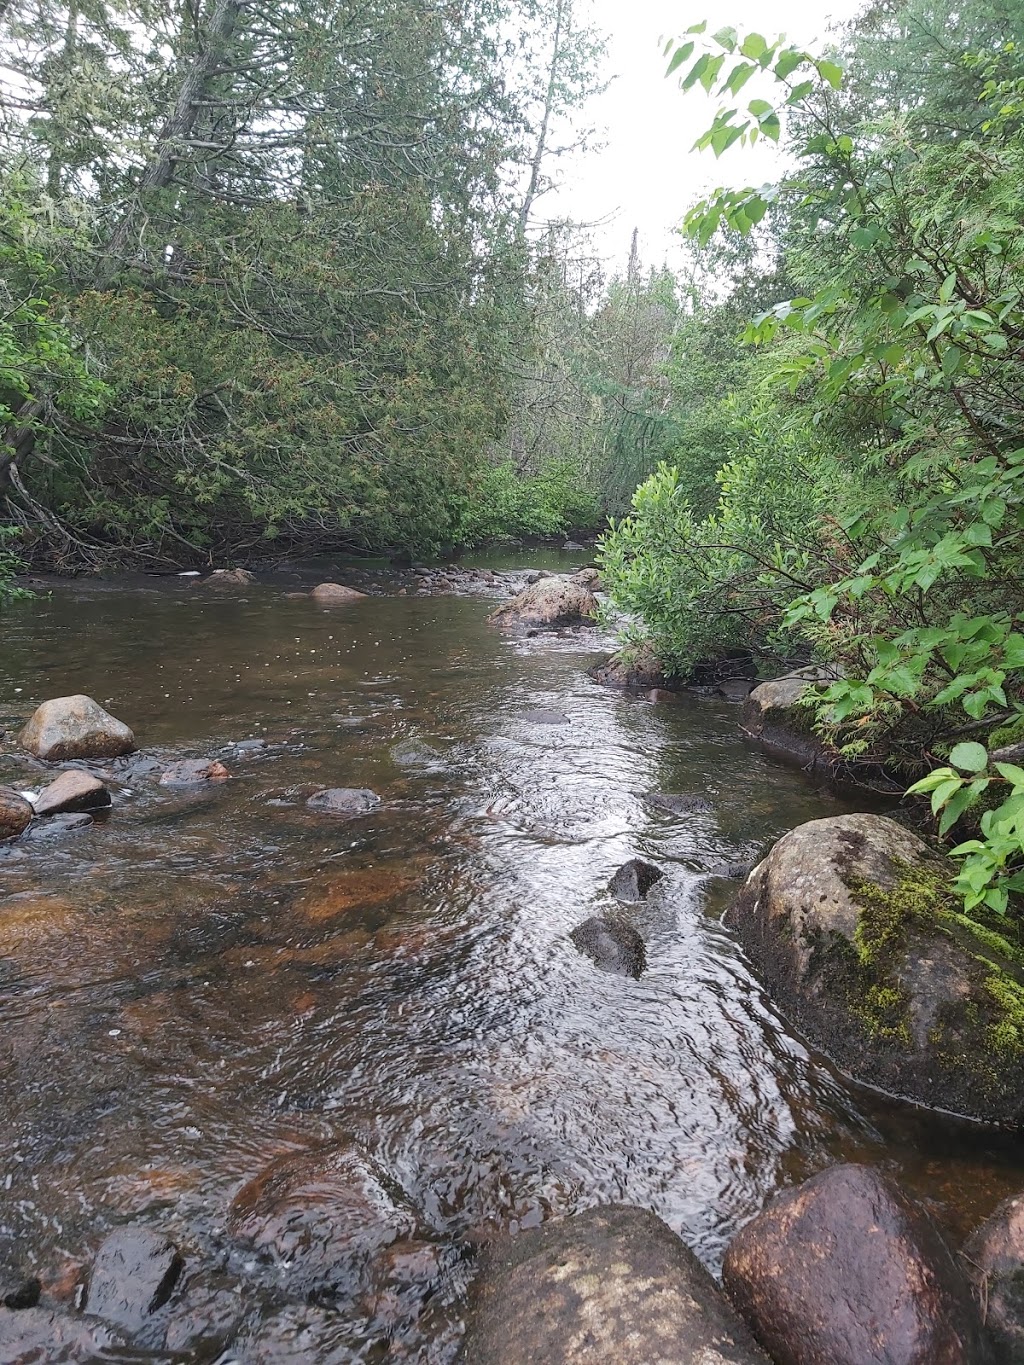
(646, 176)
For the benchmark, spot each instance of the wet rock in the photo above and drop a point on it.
(57, 825)
(75, 727)
(227, 579)
(323, 1217)
(345, 801)
(134, 1274)
(549, 603)
(15, 813)
(588, 578)
(206, 1318)
(18, 1291)
(634, 666)
(772, 715)
(612, 1286)
(634, 879)
(679, 803)
(194, 772)
(40, 1334)
(72, 791)
(850, 924)
(540, 716)
(994, 1261)
(735, 689)
(335, 592)
(572, 545)
(611, 945)
(844, 1270)
(734, 872)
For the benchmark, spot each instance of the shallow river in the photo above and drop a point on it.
(203, 982)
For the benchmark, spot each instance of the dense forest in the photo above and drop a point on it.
(275, 280)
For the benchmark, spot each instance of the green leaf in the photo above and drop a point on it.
(951, 358)
(759, 108)
(828, 71)
(754, 47)
(726, 37)
(680, 55)
(969, 757)
(1011, 772)
(789, 60)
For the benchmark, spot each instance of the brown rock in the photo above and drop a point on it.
(229, 578)
(134, 1274)
(323, 1217)
(994, 1259)
(634, 666)
(843, 1270)
(15, 814)
(588, 578)
(549, 603)
(191, 772)
(612, 1286)
(75, 727)
(851, 926)
(335, 592)
(72, 791)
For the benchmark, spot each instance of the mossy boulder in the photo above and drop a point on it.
(774, 715)
(851, 925)
(634, 665)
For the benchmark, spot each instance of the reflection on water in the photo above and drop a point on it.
(206, 981)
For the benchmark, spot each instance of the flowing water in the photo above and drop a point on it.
(204, 981)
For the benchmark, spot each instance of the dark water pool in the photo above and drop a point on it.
(203, 982)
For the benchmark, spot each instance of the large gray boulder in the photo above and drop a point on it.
(843, 1270)
(75, 727)
(772, 715)
(15, 814)
(548, 604)
(612, 1286)
(850, 924)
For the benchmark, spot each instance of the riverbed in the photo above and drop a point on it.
(204, 981)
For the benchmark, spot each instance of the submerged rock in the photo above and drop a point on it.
(323, 1218)
(75, 727)
(41, 1334)
(56, 825)
(134, 1274)
(611, 945)
(634, 666)
(679, 803)
(193, 772)
(335, 592)
(994, 1258)
(72, 791)
(16, 813)
(850, 924)
(206, 1317)
(548, 603)
(612, 1286)
(18, 1291)
(344, 801)
(634, 879)
(772, 715)
(844, 1270)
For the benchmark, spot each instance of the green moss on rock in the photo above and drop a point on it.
(921, 900)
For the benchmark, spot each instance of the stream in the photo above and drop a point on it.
(207, 980)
